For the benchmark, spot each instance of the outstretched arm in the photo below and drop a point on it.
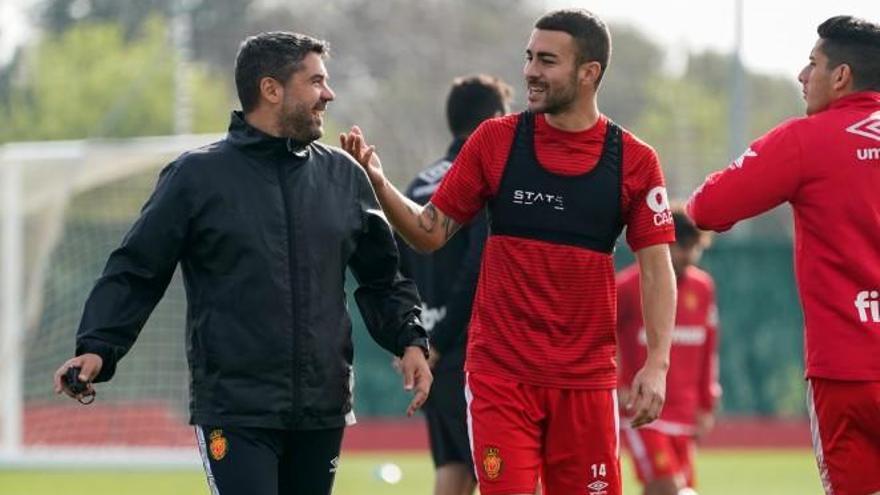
(766, 175)
(425, 228)
(134, 280)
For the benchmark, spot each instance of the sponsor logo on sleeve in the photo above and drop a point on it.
(658, 202)
(738, 163)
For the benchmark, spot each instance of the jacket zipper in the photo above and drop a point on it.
(292, 281)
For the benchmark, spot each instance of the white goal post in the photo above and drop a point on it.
(64, 206)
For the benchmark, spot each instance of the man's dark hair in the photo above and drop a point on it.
(590, 34)
(686, 232)
(855, 42)
(276, 54)
(474, 99)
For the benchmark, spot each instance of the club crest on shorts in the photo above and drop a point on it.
(492, 463)
(661, 460)
(219, 445)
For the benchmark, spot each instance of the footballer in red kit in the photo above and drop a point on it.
(560, 182)
(827, 167)
(663, 451)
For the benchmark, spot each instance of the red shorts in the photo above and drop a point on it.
(519, 432)
(845, 420)
(658, 455)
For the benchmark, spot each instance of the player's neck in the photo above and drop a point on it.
(582, 115)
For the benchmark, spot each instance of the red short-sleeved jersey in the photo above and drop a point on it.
(692, 380)
(545, 313)
(827, 166)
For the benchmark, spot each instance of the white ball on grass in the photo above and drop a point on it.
(389, 473)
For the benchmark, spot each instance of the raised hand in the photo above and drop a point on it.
(354, 143)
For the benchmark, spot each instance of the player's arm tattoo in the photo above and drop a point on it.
(450, 226)
(428, 218)
(428, 221)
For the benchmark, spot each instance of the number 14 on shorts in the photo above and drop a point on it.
(597, 486)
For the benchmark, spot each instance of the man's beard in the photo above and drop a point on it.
(298, 123)
(559, 99)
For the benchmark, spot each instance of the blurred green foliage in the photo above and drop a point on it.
(90, 81)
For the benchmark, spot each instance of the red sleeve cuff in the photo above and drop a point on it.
(665, 237)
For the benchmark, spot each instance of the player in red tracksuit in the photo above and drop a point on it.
(827, 166)
(560, 182)
(663, 451)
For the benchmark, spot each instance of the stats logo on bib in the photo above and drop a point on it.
(658, 202)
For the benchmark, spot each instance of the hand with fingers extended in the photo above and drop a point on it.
(417, 377)
(646, 395)
(89, 366)
(355, 144)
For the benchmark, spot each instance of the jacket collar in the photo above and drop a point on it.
(856, 99)
(257, 143)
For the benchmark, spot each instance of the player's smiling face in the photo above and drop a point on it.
(550, 71)
(306, 95)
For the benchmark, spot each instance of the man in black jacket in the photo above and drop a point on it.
(447, 281)
(263, 224)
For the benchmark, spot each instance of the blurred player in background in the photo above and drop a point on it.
(827, 167)
(663, 451)
(560, 180)
(447, 282)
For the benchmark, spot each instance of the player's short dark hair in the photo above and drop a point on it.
(590, 34)
(855, 42)
(686, 232)
(276, 54)
(473, 99)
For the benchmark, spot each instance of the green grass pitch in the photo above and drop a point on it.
(733, 472)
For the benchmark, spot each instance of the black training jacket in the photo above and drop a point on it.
(263, 230)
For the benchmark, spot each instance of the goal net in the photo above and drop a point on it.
(63, 207)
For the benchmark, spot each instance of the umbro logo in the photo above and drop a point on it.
(738, 163)
(598, 487)
(869, 128)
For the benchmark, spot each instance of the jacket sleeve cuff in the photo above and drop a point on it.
(413, 334)
(107, 354)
